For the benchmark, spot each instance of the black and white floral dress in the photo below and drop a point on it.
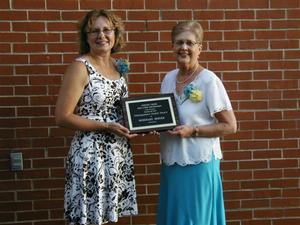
(100, 184)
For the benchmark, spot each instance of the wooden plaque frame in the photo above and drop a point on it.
(150, 113)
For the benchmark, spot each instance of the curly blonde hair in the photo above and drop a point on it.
(191, 26)
(87, 22)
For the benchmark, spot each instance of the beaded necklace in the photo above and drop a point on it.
(181, 84)
(188, 77)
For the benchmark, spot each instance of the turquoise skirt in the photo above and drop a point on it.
(191, 195)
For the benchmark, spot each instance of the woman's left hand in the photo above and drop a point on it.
(120, 130)
(183, 131)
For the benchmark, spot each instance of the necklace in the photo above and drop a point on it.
(188, 77)
(179, 85)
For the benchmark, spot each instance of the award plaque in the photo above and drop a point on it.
(150, 113)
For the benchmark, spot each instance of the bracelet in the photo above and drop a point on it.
(195, 131)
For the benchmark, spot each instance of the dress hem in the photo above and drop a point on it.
(124, 214)
(193, 163)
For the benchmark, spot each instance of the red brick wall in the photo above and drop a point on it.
(252, 45)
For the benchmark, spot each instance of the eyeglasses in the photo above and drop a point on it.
(96, 32)
(189, 43)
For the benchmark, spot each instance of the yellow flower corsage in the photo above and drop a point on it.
(196, 96)
(190, 92)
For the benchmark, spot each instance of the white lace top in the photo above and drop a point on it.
(194, 150)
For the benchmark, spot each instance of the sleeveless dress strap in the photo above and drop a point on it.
(80, 59)
(89, 67)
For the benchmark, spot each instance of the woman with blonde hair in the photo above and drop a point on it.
(100, 184)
